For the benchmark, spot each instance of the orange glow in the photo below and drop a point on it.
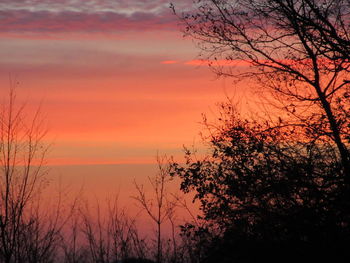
(169, 62)
(111, 101)
(220, 62)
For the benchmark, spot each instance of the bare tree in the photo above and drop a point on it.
(73, 249)
(108, 235)
(22, 155)
(297, 49)
(162, 206)
(40, 238)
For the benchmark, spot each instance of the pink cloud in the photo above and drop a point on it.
(169, 62)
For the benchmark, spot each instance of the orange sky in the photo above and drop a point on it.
(117, 81)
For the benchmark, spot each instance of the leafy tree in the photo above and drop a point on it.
(276, 189)
(281, 187)
(265, 196)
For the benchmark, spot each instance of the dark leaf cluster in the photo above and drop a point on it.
(263, 189)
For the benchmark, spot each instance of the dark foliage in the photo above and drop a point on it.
(276, 190)
(137, 260)
(266, 193)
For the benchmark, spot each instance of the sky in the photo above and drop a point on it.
(116, 80)
(117, 84)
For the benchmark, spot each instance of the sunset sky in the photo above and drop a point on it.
(116, 79)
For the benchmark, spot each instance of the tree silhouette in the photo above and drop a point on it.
(26, 235)
(265, 194)
(297, 49)
(110, 237)
(160, 207)
(278, 188)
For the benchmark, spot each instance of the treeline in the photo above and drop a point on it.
(262, 197)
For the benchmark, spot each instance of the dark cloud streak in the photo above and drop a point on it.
(69, 21)
(50, 16)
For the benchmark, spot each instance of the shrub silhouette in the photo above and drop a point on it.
(267, 194)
